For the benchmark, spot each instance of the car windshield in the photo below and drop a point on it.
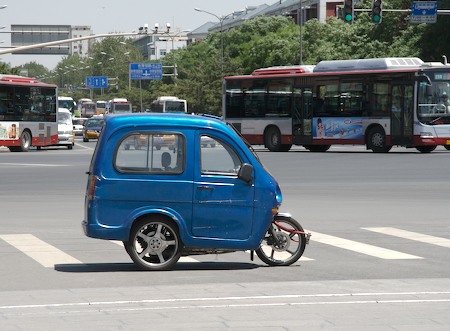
(78, 121)
(64, 118)
(249, 146)
(95, 122)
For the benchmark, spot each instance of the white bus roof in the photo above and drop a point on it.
(167, 98)
(390, 63)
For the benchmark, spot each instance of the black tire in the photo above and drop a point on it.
(426, 149)
(318, 148)
(69, 146)
(85, 140)
(447, 147)
(376, 141)
(154, 243)
(272, 139)
(287, 247)
(25, 141)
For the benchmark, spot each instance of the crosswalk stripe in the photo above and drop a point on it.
(355, 246)
(43, 253)
(438, 241)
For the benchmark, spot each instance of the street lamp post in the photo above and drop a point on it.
(221, 19)
(173, 55)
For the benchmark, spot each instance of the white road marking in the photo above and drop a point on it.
(245, 301)
(359, 247)
(43, 253)
(438, 241)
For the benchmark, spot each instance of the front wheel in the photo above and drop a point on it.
(284, 242)
(377, 141)
(154, 244)
(426, 149)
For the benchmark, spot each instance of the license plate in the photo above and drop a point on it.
(448, 142)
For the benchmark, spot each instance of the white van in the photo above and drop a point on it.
(65, 128)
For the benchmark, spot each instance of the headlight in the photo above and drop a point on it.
(426, 135)
(278, 195)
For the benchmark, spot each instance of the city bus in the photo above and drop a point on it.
(378, 103)
(119, 106)
(27, 113)
(88, 109)
(168, 104)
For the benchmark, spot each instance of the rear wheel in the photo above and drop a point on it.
(447, 147)
(377, 141)
(25, 143)
(154, 243)
(272, 139)
(283, 245)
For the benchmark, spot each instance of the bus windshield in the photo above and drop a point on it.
(433, 104)
(175, 106)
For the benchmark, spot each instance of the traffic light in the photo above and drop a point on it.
(348, 11)
(377, 11)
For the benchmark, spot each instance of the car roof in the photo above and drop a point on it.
(166, 120)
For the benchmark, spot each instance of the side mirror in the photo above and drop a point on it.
(246, 173)
(424, 79)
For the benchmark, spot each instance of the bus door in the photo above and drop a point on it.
(302, 114)
(402, 115)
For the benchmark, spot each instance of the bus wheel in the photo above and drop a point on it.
(426, 149)
(25, 141)
(377, 141)
(447, 147)
(272, 139)
(317, 148)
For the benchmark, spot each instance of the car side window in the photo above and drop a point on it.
(154, 153)
(218, 157)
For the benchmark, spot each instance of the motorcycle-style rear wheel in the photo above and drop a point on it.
(154, 244)
(284, 242)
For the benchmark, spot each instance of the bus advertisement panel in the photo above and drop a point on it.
(27, 113)
(378, 103)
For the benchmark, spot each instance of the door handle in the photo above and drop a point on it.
(205, 187)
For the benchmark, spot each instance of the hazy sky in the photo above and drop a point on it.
(106, 16)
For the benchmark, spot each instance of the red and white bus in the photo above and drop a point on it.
(27, 113)
(374, 102)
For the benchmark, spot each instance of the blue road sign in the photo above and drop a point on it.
(424, 12)
(96, 81)
(140, 71)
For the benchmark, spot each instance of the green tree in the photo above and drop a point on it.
(34, 69)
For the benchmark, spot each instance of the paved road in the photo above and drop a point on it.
(378, 257)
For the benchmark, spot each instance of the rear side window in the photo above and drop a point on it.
(154, 153)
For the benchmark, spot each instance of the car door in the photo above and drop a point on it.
(222, 203)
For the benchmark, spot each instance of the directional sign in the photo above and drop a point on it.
(424, 12)
(96, 81)
(140, 71)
